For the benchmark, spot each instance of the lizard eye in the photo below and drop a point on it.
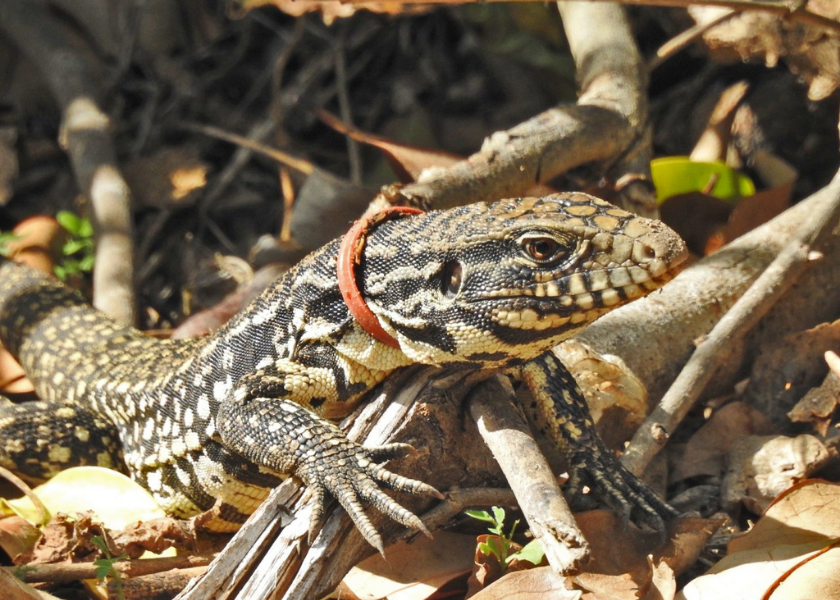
(451, 278)
(543, 249)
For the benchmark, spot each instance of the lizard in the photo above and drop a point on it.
(217, 422)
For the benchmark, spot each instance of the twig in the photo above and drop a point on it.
(491, 405)
(23, 487)
(353, 156)
(303, 166)
(608, 123)
(711, 353)
(65, 573)
(85, 135)
(684, 39)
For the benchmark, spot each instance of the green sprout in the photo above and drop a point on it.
(500, 545)
(78, 250)
(105, 566)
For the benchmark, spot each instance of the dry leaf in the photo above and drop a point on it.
(617, 399)
(534, 584)
(784, 372)
(663, 585)
(706, 451)
(792, 550)
(407, 161)
(761, 468)
(17, 536)
(811, 52)
(412, 571)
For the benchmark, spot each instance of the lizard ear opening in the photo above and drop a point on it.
(451, 277)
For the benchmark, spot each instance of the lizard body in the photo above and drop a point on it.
(219, 421)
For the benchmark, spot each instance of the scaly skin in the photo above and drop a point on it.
(219, 421)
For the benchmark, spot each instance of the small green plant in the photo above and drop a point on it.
(105, 566)
(5, 238)
(499, 545)
(78, 250)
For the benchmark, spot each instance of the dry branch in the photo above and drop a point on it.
(688, 307)
(506, 433)
(85, 135)
(712, 351)
(65, 573)
(792, 11)
(607, 125)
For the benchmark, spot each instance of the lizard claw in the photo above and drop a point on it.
(623, 491)
(348, 471)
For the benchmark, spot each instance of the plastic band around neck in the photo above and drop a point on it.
(350, 255)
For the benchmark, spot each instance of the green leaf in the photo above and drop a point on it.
(5, 238)
(495, 548)
(532, 552)
(481, 515)
(86, 264)
(674, 175)
(70, 221)
(73, 246)
(103, 567)
(499, 514)
(85, 228)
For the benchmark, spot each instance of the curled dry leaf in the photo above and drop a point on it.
(784, 372)
(617, 399)
(819, 405)
(761, 468)
(793, 551)
(17, 536)
(811, 52)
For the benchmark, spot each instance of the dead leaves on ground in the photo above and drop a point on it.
(793, 552)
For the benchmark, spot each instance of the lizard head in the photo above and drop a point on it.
(493, 284)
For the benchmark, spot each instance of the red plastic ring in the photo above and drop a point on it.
(350, 255)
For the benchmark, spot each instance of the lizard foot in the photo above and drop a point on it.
(284, 436)
(351, 474)
(619, 488)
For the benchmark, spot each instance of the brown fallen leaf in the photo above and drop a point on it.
(411, 571)
(407, 161)
(762, 467)
(819, 405)
(17, 536)
(534, 584)
(793, 551)
(783, 373)
(705, 453)
(663, 583)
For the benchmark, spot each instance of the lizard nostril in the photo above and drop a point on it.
(644, 252)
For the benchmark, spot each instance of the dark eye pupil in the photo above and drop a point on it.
(542, 249)
(452, 272)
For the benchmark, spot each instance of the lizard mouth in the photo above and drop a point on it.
(553, 305)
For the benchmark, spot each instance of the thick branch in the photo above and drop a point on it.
(712, 352)
(86, 137)
(491, 405)
(605, 125)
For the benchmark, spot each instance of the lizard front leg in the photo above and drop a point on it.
(265, 420)
(560, 410)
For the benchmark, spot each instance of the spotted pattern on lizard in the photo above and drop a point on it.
(220, 421)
